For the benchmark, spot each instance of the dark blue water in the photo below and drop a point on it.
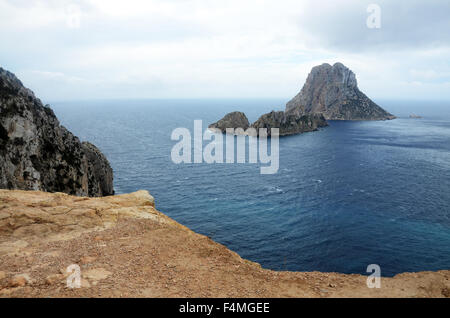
(350, 195)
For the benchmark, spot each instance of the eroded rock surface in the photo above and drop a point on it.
(330, 93)
(37, 153)
(286, 124)
(290, 124)
(333, 91)
(27, 214)
(124, 247)
(232, 120)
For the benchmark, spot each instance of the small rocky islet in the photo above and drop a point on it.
(231, 120)
(330, 93)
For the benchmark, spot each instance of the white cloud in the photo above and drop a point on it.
(200, 48)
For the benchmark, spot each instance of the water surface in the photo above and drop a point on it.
(350, 195)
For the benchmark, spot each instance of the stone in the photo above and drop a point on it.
(6, 292)
(96, 274)
(54, 279)
(37, 153)
(68, 219)
(20, 280)
(333, 91)
(87, 259)
(85, 284)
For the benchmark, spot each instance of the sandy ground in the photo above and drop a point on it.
(125, 248)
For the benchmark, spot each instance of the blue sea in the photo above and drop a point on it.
(349, 195)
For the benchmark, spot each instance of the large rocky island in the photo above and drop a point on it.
(37, 153)
(330, 93)
(333, 91)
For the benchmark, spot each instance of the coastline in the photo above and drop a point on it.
(126, 248)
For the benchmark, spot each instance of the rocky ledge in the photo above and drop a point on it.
(37, 153)
(124, 247)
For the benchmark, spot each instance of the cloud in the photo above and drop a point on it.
(405, 24)
(67, 49)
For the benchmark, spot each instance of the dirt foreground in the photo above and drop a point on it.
(124, 247)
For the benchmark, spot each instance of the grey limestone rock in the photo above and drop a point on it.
(333, 91)
(37, 153)
(290, 124)
(231, 120)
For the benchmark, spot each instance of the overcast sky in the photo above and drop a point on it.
(65, 49)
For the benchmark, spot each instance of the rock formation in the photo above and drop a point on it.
(290, 124)
(333, 91)
(231, 120)
(124, 247)
(37, 153)
(330, 92)
(287, 124)
(100, 174)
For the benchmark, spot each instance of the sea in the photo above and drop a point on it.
(349, 195)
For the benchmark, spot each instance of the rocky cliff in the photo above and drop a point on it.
(333, 91)
(37, 153)
(124, 247)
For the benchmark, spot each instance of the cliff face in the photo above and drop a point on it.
(124, 247)
(333, 91)
(37, 153)
(100, 174)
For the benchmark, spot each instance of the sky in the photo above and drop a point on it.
(109, 49)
